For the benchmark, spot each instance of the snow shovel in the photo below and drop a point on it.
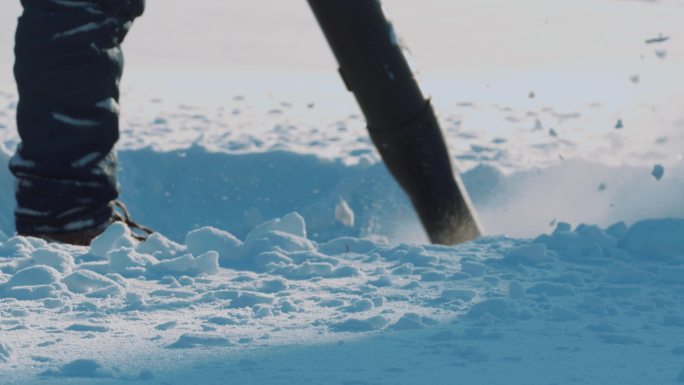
(400, 120)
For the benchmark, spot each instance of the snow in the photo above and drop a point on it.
(87, 281)
(187, 341)
(658, 171)
(81, 368)
(210, 239)
(286, 254)
(344, 213)
(5, 352)
(615, 287)
(658, 239)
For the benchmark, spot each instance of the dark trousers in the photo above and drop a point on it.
(68, 66)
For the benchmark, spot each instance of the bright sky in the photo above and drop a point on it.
(468, 36)
(569, 50)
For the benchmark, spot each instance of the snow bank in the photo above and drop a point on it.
(661, 239)
(646, 239)
(221, 293)
(279, 247)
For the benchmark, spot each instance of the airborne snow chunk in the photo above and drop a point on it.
(658, 171)
(659, 39)
(344, 214)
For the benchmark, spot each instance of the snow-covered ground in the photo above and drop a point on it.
(239, 145)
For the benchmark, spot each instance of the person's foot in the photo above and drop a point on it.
(83, 237)
(78, 237)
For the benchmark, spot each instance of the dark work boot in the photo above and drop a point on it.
(83, 237)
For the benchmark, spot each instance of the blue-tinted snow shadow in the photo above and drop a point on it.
(7, 201)
(446, 354)
(178, 191)
(455, 353)
(530, 202)
(175, 192)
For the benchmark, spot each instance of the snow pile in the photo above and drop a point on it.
(660, 240)
(277, 287)
(40, 270)
(34, 269)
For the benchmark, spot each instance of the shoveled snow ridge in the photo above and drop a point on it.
(277, 287)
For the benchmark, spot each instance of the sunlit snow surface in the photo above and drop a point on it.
(291, 302)
(275, 307)
(254, 278)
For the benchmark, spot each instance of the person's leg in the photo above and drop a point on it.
(68, 66)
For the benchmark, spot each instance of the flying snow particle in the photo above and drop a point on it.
(344, 214)
(659, 39)
(553, 133)
(602, 187)
(661, 140)
(635, 79)
(658, 171)
(619, 124)
(661, 53)
(537, 125)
